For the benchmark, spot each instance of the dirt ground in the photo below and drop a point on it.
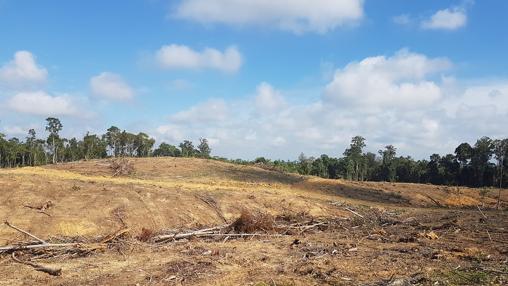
(327, 232)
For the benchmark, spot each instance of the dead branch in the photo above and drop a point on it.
(307, 227)
(353, 212)
(480, 210)
(25, 232)
(10, 248)
(38, 267)
(213, 204)
(178, 236)
(434, 201)
(115, 235)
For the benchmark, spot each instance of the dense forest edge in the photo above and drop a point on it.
(482, 164)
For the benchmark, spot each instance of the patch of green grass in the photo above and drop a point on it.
(467, 277)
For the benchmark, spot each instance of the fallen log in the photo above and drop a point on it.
(178, 236)
(38, 267)
(10, 248)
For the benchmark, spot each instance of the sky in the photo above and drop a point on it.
(269, 78)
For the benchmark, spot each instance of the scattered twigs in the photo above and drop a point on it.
(353, 212)
(480, 210)
(308, 227)
(25, 232)
(201, 233)
(38, 267)
(42, 208)
(115, 235)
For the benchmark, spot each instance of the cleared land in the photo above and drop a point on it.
(315, 231)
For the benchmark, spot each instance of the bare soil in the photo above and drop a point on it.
(335, 232)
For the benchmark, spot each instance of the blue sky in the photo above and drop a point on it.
(271, 78)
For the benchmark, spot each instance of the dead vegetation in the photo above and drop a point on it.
(250, 222)
(152, 227)
(121, 167)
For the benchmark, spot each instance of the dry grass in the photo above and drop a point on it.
(181, 193)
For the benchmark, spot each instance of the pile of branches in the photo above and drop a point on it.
(248, 224)
(42, 248)
(121, 167)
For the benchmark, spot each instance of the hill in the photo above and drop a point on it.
(348, 232)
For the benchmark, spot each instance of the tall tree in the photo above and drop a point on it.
(54, 126)
(500, 152)
(167, 150)
(355, 159)
(143, 145)
(204, 148)
(113, 139)
(388, 166)
(187, 148)
(482, 153)
(31, 145)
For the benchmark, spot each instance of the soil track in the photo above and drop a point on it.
(407, 233)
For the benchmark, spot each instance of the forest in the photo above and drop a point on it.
(481, 164)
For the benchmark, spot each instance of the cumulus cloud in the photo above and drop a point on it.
(268, 99)
(400, 99)
(297, 16)
(447, 19)
(42, 103)
(171, 132)
(22, 70)
(182, 57)
(213, 110)
(111, 86)
(388, 82)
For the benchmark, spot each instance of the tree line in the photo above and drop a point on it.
(479, 165)
(34, 151)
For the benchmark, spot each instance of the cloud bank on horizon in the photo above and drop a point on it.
(248, 75)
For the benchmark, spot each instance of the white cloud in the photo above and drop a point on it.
(400, 99)
(171, 132)
(183, 57)
(22, 70)
(387, 82)
(447, 19)
(268, 99)
(297, 16)
(16, 130)
(213, 110)
(41, 103)
(111, 86)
